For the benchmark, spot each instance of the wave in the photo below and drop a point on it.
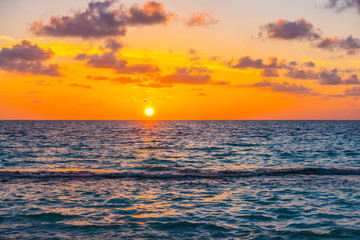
(186, 173)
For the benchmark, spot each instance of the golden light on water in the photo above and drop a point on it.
(149, 111)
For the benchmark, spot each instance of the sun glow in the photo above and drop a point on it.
(149, 111)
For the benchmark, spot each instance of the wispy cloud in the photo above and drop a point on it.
(184, 75)
(200, 19)
(80, 86)
(341, 5)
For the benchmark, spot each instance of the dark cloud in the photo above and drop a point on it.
(26, 51)
(290, 88)
(81, 86)
(309, 64)
(352, 80)
(283, 87)
(200, 18)
(26, 58)
(355, 91)
(340, 5)
(299, 29)
(324, 77)
(191, 75)
(328, 43)
(264, 83)
(101, 19)
(350, 44)
(247, 62)
(335, 96)
(330, 77)
(301, 74)
(114, 44)
(269, 72)
(293, 64)
(112, 61)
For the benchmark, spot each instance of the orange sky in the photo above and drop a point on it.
(205, 60)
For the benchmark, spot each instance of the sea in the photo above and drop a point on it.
(180, 180)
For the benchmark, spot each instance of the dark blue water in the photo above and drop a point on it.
(180, 179)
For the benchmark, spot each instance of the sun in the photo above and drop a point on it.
(149, 111)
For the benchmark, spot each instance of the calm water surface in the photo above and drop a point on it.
(179, 179)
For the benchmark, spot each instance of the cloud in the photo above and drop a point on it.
(301, 74)
(352, 51)
(299, 29)
(200, 19)
(247, 62)
(35, 101)
(264, 83)
(223, 83)
(138, 82)
(109, 59)
(155, 85)
(81, 86)
(125, 80)
(101, 19)
(214, 58)
(293, 64)
(340, 5)
(352, 80)
(269, 72)
(330, 77)
(97, 78)
(355, 91)
(129, 80)
(112, 61)
(350, 43)
(191, 75)
(283, 87)
(309, 64)
(113, 43)
(26, 51)
(192, 51)
(27, 58)
(195, 59)
(335, 95)
(150, 13)
(324, 77)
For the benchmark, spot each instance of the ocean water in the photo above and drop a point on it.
(179, 179)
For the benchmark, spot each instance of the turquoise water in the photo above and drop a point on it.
(179, 179)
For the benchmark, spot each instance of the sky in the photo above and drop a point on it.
(188, 60)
